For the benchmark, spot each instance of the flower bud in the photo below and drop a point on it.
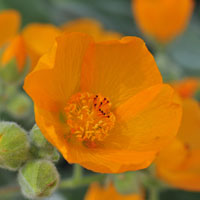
(19, 106)
(38, 179)
(14, 145)
(41, 148)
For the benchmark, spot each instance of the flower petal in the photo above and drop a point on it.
(9, 23)
(16, 49)
(186, 180)
(119, 69)
(189, 131)
(97, 192)
(104, 160)
(39, 45)
(149, 120)
(57, 75)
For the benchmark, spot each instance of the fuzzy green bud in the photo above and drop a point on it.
(41, 148)
(38, 179)
(19, 106)
(14, 146)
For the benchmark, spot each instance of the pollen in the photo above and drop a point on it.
(89, 117)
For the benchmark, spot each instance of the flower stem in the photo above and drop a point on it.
(86, 180)
(77, 172)
(154, 194)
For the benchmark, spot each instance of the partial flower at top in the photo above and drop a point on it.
(91, 27)
(103, 104)
(97, 192)
(162, 19)
(182, 170)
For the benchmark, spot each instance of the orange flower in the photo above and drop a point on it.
(96, 192)
(162, 19)
(91, 27)
(103, 105)
(9, 23)
(182, 170)
(187, 87)
(16, 49)
(38, 39)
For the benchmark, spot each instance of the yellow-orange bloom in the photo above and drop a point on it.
(15, 50)
(187, 87)
(97, 192)
(182, 170)
(10, 23)
(103, 104)
(90, 27)
(162, 19)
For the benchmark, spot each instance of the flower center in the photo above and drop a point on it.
(89, 117)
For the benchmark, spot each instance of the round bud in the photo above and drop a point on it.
(14, 145)
(41, 148)
(19, 106)
(38, 179)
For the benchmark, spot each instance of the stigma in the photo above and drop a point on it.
(89, 117)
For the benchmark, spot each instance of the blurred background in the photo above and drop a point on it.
(117, 16)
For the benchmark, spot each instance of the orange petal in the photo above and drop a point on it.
(183, 169)
(180, 154)
(162, 19)
(149, 120)
(9, 23)
(91, 27)
(50, 126)
(97, 192)
(39, 38)
(119, 69)
(108, 160)
(57, 75)
(190, 125)
(16, 49)
(184, 180)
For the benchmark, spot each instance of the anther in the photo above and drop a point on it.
(89, 120)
